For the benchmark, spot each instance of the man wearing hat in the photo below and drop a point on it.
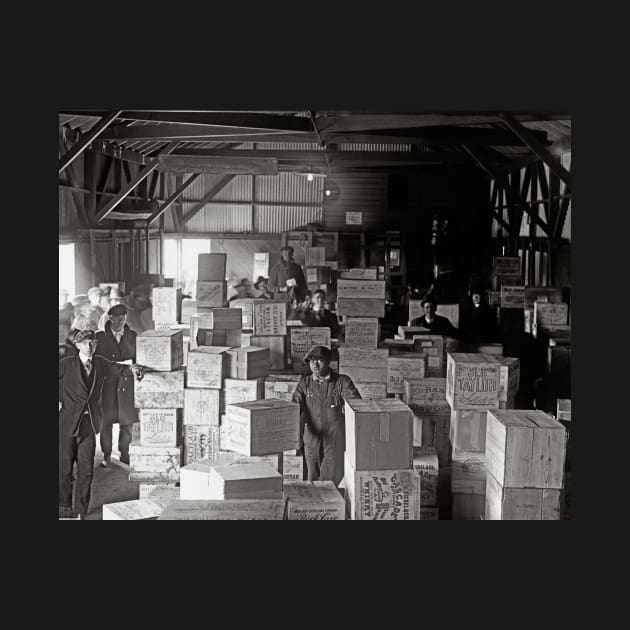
(261, 285)
(95, 311)
(286, 279)
(477, 319)
(115, 297)
(243, 290)
(435, 324)
(321, 396)
(81, 380)
(117, 343)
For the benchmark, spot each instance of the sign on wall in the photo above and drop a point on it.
(354, 218)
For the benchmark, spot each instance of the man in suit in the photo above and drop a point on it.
(319, 316)
(436, 324)
(81, 380)
(286, 279)
(478, 321)
(117, 343)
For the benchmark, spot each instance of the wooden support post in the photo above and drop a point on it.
(147, 250)
(92, 258)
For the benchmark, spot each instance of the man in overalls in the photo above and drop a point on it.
(321, 397)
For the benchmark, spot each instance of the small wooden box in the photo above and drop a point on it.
(399, 368)
(270, 318)
(472, 381)
(379, 434)
(200, 442)
(160, 390)
(202, 406)
(525, 449)
(281, 386)
(161, 350)
(211, 294)
(159, 427)
(248, 363)
(426, 465)
(506, 266)
(207, 366)
(154, 463)
(245, 510)
(135, 510)
(513, 297)
(362, 332)
(262, 427)
(381, 495)
(314, 501)
(521, 504)
(547, 314)
(276, 345)
(211, 267)
(166, 304)
(237, 390)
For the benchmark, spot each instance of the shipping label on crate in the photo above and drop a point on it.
(158, 427)
(551, 314)
(200, 442)
(506, 266)
(426, 465)
(401, 368)
(512, 297)
(362, 332)
(426, 396)
(281, 386)
(303, 338)
(211, 294)
(292, 468)
(270, 318)
(361, 289)
(472, 381)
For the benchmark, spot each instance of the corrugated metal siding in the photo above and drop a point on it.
(366, 193)
(239, 189)
(289, 187)
(273, 219)
(220, 219)
(374, 147)
(288, 146)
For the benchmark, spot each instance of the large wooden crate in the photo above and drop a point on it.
(248, 363)
(207, 367)
(211, 294)
(281, 386)
(262, 427)
(166, 304)
(276, 345)
(202, 406)
(426, 398)
(154, 463)
(245, 510)
(379, 434)
(302, 339)
(361, 298)
(399, 368)
(160, 390)
(522, 504)
(381, 495)
(362, 332)
(237, 390)
(472, 381)
(547, 314)
(313, 501)
(211, 267)
(270, 317)
(200, 442)
(159, 427)
(426, 465)
(525, 449)
(134, 510)
(161, 350)
(468, 430)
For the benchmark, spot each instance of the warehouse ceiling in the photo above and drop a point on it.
(319, 142)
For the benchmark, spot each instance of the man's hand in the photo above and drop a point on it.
(138, 371)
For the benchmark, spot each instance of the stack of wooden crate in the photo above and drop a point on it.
(211, 283)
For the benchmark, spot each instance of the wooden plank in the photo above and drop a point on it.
(224, 181)
(544, 190)
(562, 215)
(86, 140)
(550, 160)
(173, 198)
(143, 174)
(77, 198)
(237, 164)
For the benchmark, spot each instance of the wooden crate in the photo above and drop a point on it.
(237, 390)
(159, 427)
(270, 317)
(207, 367)
(512, 297)
(248, 363)
(547, 314)
(358, 273)
(160, 390)
(357, 307)
(468, 430)
(245, 510)
(134, 510)
(525, 449)
(317, 276)
(371, 390)
(426, 465)
(522, 504)
(468, 473)
(399, 368)
(166, 304)
(154, 463)
(246, 305)
(509, 381)
(230, 481)
(506, 266)
(262, 427)
(379, 434)
(433, 347)
(190, 308)
(292, 468)
(211, 267)
(313, 501)
(275, 344)
(542, 294)
(211, 294)
(472, 381)
(362, 332)
(220, 319)
(381, 495)
(161, 350)
(202, 406)
(302, 339)
(314, 256)
(468, 507)
(200, 442)
(363, 365)
(281, 386)
(158, 492)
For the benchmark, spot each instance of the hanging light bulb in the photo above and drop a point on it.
(309, 177)
(327, 192)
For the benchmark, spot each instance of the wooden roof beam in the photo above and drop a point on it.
(222, 183)
(173, 198)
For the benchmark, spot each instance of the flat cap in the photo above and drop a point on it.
(117, 309)
(84, 335)
(318, 352)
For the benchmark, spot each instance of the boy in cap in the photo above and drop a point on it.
(117, 343)
(286, 279)
(81, 380)
(321, 396)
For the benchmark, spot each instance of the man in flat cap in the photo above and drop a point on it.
(286, 279)
(117, 343)
(321, 396)
(81, 380)
(435, 324)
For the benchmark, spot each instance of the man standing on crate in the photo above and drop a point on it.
(321, 396)
(117, 343)
(81, 380)
(287, 278)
